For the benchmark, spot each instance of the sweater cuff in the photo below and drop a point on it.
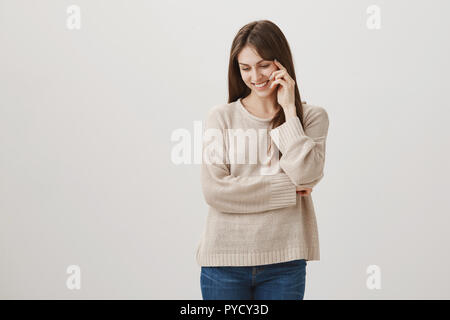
(283, 192)
(290, 131)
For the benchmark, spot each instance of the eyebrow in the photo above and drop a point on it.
(256, 63)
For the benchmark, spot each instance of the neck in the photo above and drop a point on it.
(266, 105)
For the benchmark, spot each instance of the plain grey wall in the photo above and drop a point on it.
(86, 117)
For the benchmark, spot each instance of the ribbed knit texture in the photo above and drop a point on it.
(256, 219)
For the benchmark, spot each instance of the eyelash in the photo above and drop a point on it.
(261, 66)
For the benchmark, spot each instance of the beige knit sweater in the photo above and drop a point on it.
(255, 215)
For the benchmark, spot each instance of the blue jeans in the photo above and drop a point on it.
(278, 281)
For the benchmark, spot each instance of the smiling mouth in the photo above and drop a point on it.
(262, 85)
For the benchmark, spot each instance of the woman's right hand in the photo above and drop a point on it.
(304, 191)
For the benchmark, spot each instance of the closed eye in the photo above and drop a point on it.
(265, 66)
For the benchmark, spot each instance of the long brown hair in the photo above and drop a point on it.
(269, 42)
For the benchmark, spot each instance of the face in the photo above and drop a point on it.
(256, 70)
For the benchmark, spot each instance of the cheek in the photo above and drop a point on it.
(247, 79)
(272, 70)
(244, 77)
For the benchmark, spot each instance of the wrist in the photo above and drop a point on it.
(290, 111)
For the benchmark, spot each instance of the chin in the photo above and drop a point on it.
(264, 93)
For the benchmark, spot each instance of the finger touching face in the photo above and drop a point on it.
(255, 70)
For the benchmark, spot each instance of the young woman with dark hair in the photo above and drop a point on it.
(261, 227)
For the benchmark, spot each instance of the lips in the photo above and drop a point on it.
(260, 82)
(262, 87)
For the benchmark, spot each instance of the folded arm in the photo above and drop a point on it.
(303, 150)
(238, 194)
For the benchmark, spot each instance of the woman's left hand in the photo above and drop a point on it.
(304, 191)
(285, 93)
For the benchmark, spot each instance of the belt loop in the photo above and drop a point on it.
(253, 275)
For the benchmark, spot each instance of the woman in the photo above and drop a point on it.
(261, 227)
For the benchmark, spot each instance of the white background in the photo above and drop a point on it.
(86, 116)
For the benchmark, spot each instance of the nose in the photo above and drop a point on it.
(255, 76)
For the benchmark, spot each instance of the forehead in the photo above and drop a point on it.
(248, 55)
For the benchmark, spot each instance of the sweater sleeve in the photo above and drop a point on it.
(238, 194)
(303, 158)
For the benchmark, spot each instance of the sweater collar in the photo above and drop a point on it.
(249, 115)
